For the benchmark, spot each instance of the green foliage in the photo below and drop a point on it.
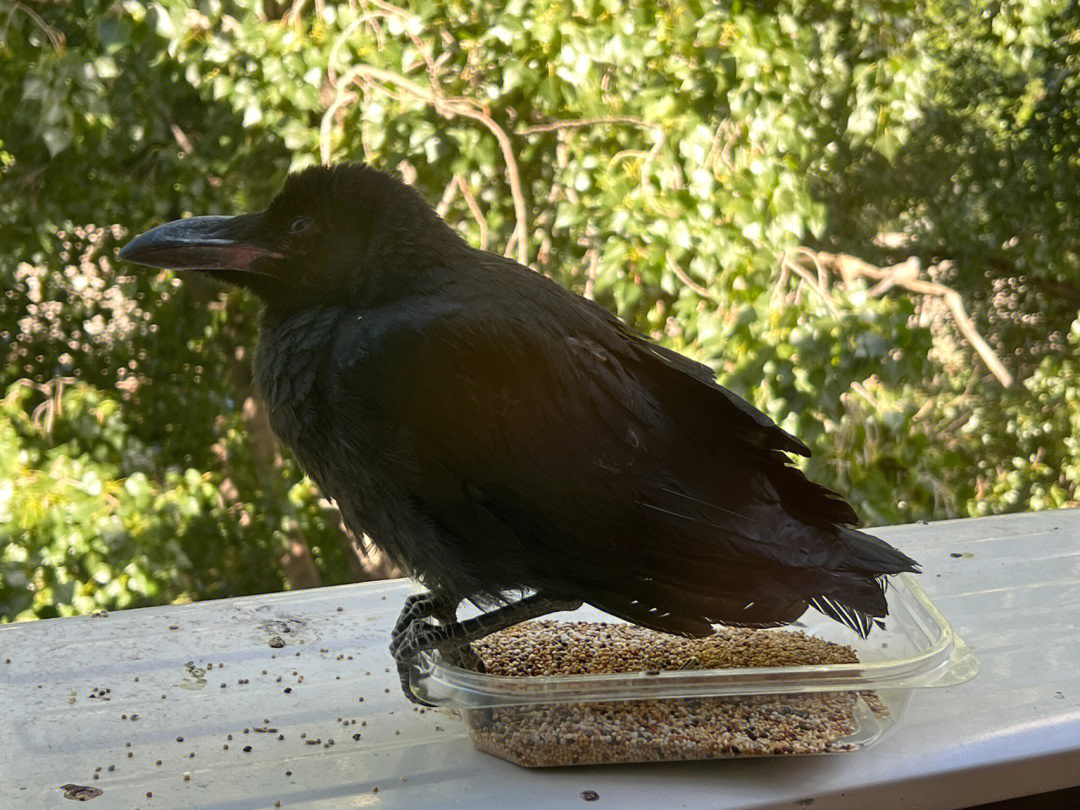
(664, 157)
(89, 520)
(988, 178)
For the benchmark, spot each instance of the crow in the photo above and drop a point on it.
(509, 443)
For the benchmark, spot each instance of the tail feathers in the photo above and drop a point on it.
(857, 596)
(860, 622)
(872, 556)
(694, 615)
(766, 596)
(757, 568)
(671, 609)
(857, 602)
(804, 500)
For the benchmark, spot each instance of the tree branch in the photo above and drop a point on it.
(474, 209)
(552, 126)
(907, 276)
(673, 266)
(580, 123)
(55, 35)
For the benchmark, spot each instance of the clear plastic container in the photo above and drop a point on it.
(705, 714)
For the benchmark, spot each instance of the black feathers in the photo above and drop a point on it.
(494, 433)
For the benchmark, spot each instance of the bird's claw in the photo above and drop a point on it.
(417, 606)
(420, 636)
(404, 646)
(417, 636)
(404, 670)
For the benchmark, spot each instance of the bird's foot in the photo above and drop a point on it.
(413, 634)
(422, 636)
(404, 646)
(452, 638)
(417, 606)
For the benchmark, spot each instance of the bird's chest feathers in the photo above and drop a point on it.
(300, 370)
(290, 371)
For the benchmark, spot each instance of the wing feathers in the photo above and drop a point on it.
(585, 462)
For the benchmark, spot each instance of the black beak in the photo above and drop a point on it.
(202, 243)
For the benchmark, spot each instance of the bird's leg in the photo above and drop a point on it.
(426, 605)
(420, 606)
(452, 638)
(422, 635)
(460, 654)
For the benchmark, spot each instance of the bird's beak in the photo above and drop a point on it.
(202, 243)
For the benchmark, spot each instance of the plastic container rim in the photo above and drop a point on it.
(945, 662)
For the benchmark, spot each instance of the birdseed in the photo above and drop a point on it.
(661, 730)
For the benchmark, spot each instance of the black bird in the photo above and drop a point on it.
(499, 436)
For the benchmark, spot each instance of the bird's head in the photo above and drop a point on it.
(342, 234)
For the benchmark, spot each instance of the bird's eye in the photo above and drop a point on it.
(299, 225)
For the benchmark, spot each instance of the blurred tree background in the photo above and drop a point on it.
(864, 214)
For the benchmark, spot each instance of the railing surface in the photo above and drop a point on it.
(147, 701)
